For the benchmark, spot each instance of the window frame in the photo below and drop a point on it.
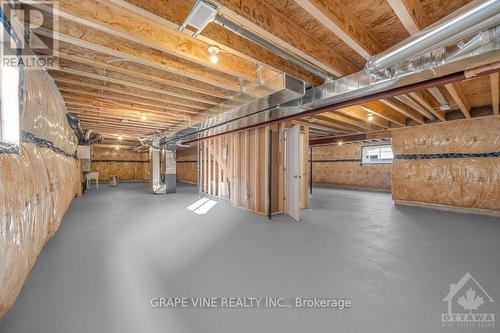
(379, 161)
(11, 144)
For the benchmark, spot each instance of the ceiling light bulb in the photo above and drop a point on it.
(340, 143)
(117, 148)
(143, 117)
(214, 51)
(120, 137)
(370, 117)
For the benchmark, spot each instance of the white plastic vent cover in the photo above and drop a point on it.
(199, 17)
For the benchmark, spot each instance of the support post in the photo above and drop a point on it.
(170, 165)
(199, 168)
(270, 175)
(311, 170)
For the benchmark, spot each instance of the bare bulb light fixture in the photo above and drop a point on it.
(143, 117)
(370, 116)
(120, 138)
(340, 143)
(214, 51)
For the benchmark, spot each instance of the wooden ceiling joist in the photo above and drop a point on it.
(86, 119)
(172, 92)
(124, 113)
(313, 124)
(385, 112)
(142, 72)
(133, 103)
(361, 114)
(130, 26)
(265, 20)
(118, 129)
(458, 96)
(116, 121)
(339, 19)
(96, 41)
(110, 121)
(414, 18)
(424, 100)
(349, 121)
(411, 14)
(114, 125)
(415, 106)
(172, 13)
(85, 100)
(91, 115)
(403, 109)
(130, 92)
(335, 123)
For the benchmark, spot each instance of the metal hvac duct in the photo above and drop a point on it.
(290, 89)
(404, 68)
(476, 16)
(203, 12)
(247, 34)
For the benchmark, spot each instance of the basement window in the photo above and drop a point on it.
(377, 154)
(9, 105)
(9, 90)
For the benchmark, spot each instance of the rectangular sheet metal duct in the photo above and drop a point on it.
(291, 89)
(480, 47)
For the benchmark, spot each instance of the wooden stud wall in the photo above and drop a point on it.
(235, 167)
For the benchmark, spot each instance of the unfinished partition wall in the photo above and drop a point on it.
(126, 164)
(236, 167)
(36, 185)
(187, 164)
(341, 165)
(453, 164)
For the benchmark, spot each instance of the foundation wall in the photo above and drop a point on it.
(454, 164)
(341, 166)
(37, 184)
(126, 164)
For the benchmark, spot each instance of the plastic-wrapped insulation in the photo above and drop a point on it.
(454, 163)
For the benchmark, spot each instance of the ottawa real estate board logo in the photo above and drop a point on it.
(468, 305)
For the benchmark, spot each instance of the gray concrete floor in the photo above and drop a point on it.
(118, 247)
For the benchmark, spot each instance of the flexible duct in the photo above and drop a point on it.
(94, 138)
(403, 69)
(74, 123)
(87, 138)
(476, 16)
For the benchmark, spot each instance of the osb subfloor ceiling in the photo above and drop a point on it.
(127, 71)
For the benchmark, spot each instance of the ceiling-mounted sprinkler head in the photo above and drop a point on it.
(214, 51)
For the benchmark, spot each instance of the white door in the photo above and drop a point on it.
(293, 172)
